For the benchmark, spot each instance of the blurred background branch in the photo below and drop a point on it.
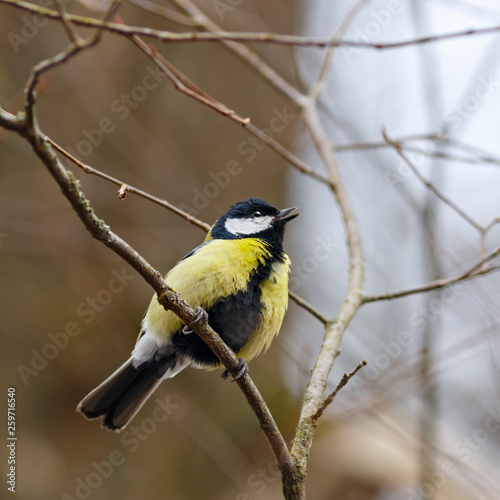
(259, 37)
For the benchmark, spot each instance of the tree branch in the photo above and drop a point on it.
(165, 12)
(12, 122)
(129, 188)
(309, 308)
(244, 53)
(403, 144)
(184, 85)
(78, 44)
(342, 383)
(476, 270)
(281, 39)
(317, 86)
(330, 347)
(429, 185)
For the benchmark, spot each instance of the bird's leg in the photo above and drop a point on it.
(200, 317)
(242, 370)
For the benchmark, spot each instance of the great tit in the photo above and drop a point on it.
(239, 276)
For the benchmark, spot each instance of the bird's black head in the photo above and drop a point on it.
(254, 218)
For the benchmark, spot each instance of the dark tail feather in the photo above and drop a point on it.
(122, 394)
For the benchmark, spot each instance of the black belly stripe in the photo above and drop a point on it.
(234, 318)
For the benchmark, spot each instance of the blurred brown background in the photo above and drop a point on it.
(168, 145)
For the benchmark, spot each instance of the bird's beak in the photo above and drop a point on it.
(286, 215)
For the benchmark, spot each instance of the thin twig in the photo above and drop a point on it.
(244, 53)
(317, 86)
(296, 162)
(468, 147)
(165, 12)
(490, 225)
(309, 308)
(440, 155)
(184, 85)
(397, 147)
(381, 144)
(342, 383)
(484, 234)
(476, 270)
(129, 188)
(68, 25)
(361, 146)
(258, 37)
(50, 63)
(11, 122)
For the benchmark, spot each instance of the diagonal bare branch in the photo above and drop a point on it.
(342, 383)
(47, 64)
(244, 53)
(186, 86)
(476, 270)
(129, 188)
(317, 86)
(397, 147)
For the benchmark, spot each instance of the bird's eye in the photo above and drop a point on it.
(257, 213)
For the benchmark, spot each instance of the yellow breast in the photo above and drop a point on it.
(274, 305)
(218, 269)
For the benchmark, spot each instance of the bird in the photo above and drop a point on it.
(239, 277)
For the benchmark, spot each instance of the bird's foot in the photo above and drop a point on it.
(200, 317)
(242, 370)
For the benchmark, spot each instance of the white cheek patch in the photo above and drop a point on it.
(249, 226)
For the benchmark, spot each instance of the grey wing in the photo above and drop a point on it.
(192, 252)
